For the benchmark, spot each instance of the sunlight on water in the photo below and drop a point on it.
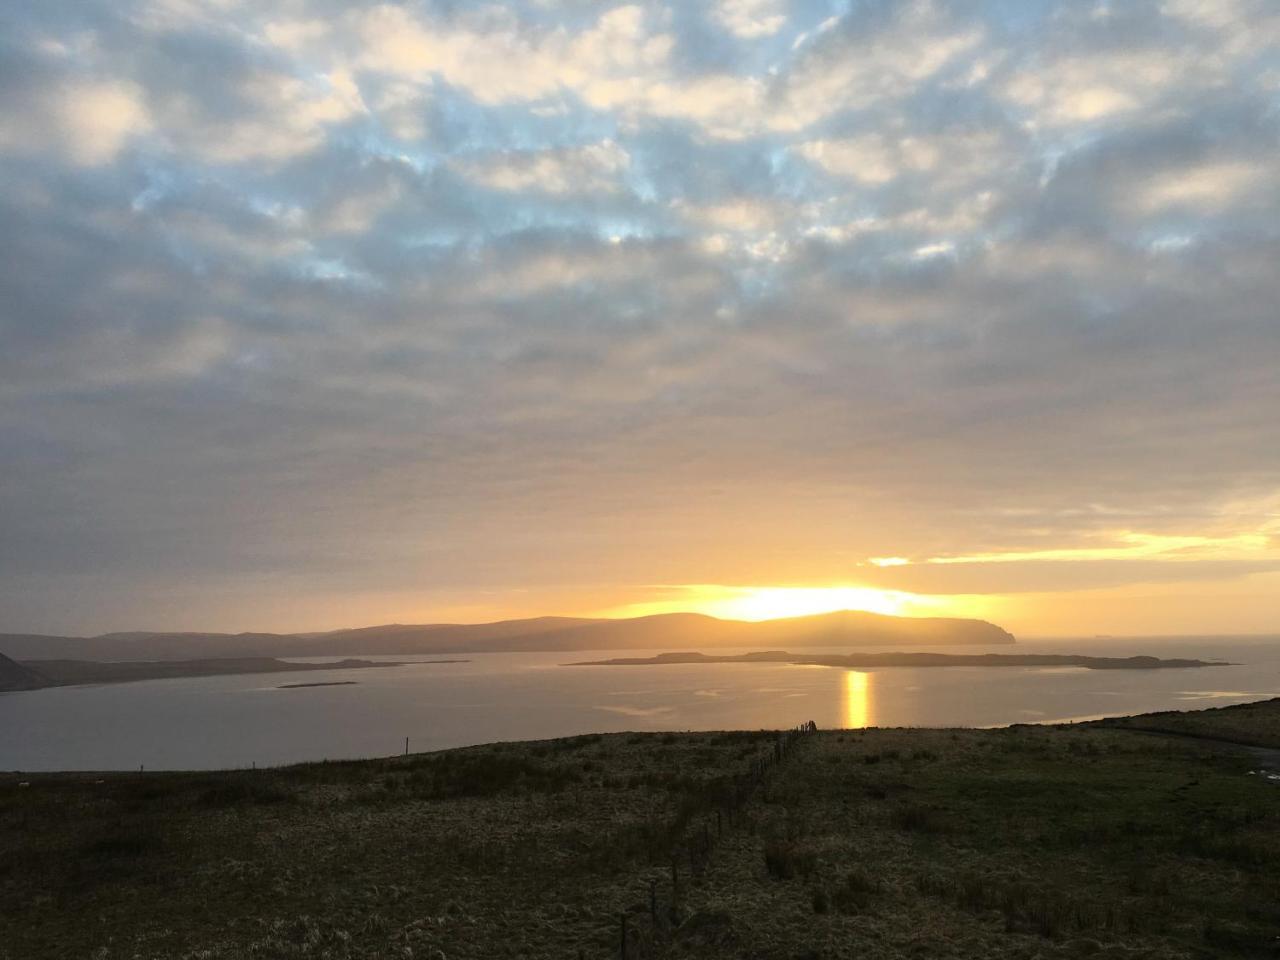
(235, 721)
(857, 699)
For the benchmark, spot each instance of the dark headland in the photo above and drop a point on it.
(36, 674)
(17, 676)
(672, 631)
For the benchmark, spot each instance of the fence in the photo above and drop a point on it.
(645, 934)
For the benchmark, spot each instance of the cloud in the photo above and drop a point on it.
(278, 116)
(623, 62)
(1090, 87)
(869, 158)
(418, 302)
(750, 18)
(1207, 188)
(747, 215)
(1139, 546)
(593, 168)
(88, 121)
(1131, 63)
(497, 59)
(879, 55)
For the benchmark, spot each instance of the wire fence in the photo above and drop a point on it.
(645, 934)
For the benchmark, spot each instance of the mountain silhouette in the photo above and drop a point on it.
(671, 631)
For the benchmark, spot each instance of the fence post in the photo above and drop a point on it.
(624, 936)
(675, 893)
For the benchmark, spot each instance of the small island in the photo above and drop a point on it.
(320, 683)
(861, 661)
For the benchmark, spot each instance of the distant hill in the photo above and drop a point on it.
(15, 676)
(673, 631)
(859, 628)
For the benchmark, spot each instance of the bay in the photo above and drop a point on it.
(237, 721)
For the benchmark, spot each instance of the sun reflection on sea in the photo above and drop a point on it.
(858, 697)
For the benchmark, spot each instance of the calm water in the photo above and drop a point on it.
(234, 721)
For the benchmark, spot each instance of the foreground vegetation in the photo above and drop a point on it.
(1250, 724)
(1027, 842)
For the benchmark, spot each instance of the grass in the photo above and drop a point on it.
(503, 850)
(1028, 842)
(1017, 843)
(1251, 724)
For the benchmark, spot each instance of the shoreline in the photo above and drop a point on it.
(1153, 722)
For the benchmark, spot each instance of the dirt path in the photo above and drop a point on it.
(1267, 755)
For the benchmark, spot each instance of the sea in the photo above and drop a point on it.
(256, 720)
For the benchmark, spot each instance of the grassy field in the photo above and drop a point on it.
(1083, 841)
(1254, 724)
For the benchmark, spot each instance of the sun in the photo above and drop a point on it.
(775, 603)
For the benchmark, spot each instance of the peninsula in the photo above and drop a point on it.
(37, 674)
(668, 631)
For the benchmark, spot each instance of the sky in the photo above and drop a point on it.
(318, 314)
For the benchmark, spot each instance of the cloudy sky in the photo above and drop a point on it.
(318, 313)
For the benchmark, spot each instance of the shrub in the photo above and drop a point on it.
(784, 860)
(577, 743)
(855, 893)
(915, 818)
(127, 845)
(244, 791)
(821, 902)
(450, 775)
(1238, 938)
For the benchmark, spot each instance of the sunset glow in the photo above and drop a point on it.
(774, 603)
(431, 312)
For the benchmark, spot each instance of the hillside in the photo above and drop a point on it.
(1046, 842)
(1251, 724)
(675, 631)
